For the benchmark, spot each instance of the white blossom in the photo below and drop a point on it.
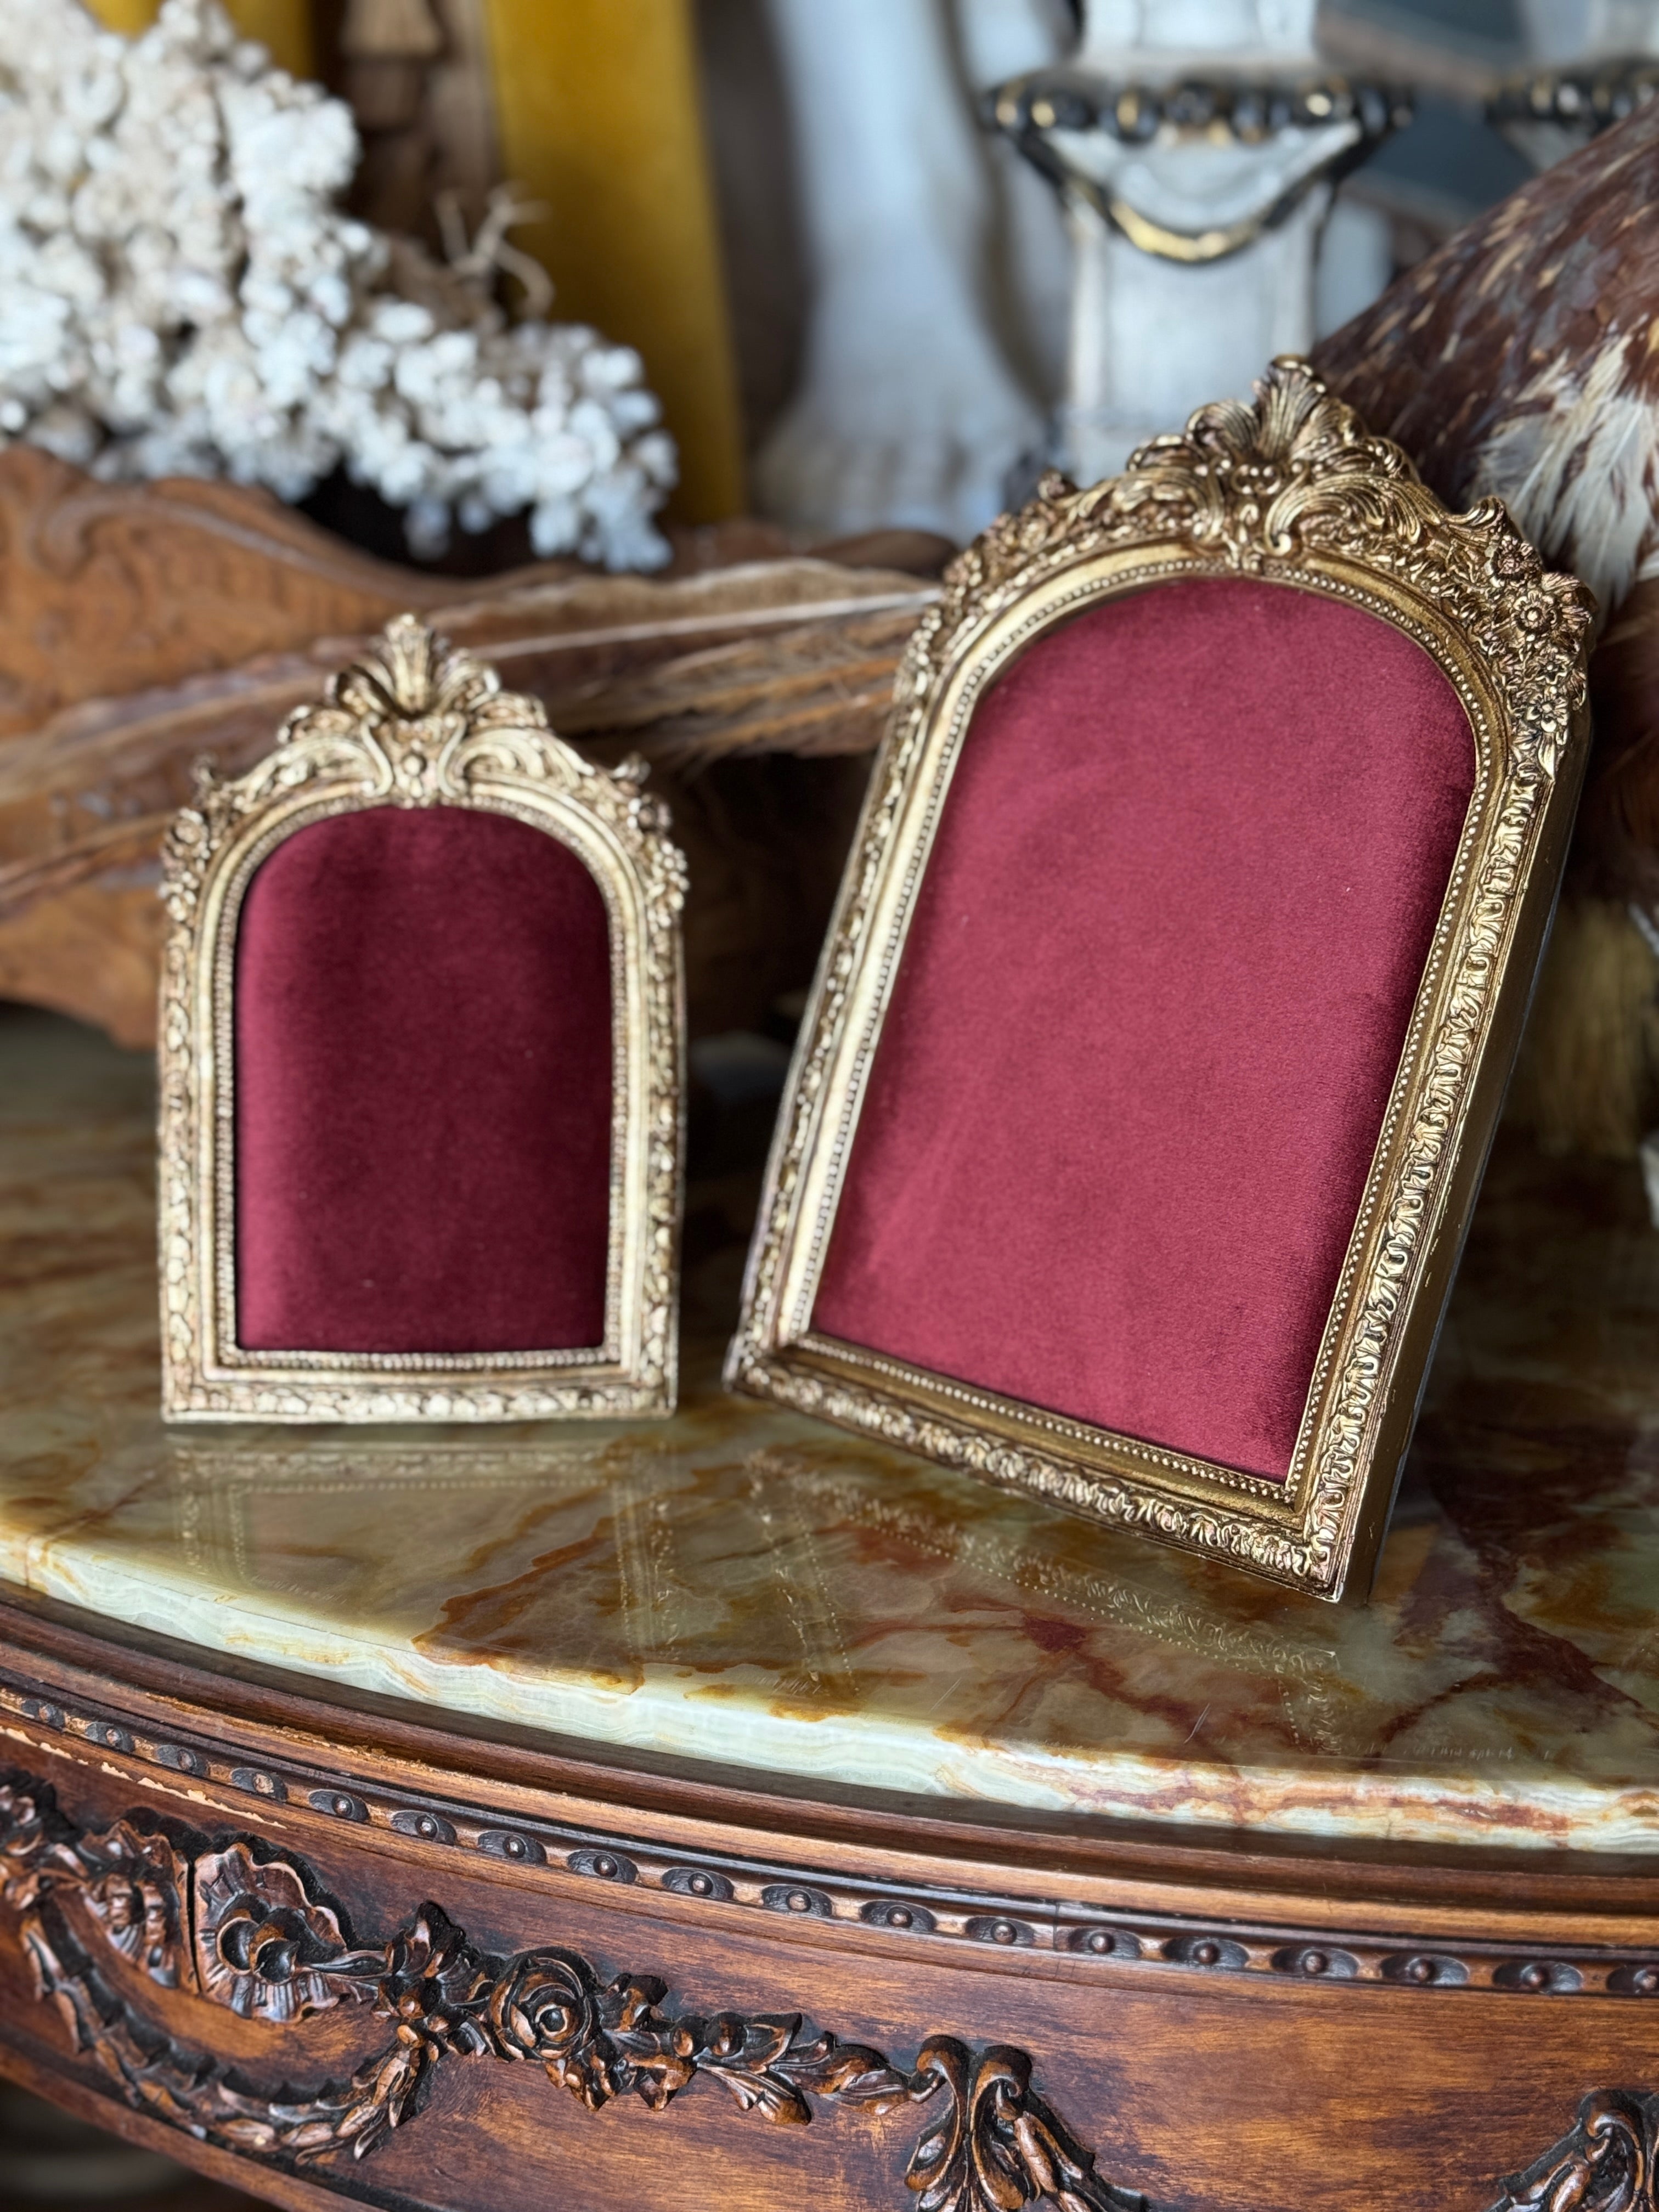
(181, 294)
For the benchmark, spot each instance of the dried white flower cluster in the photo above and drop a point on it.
(180, 294)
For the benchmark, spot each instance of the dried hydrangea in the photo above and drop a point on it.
(180, 294)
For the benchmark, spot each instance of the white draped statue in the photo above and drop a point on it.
(940, 355)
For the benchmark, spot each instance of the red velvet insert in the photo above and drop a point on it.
(423, 1089)
(1152, 1001)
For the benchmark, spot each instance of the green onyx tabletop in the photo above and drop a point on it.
(742, 1587)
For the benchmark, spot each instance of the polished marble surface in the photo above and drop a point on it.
(742, 1586)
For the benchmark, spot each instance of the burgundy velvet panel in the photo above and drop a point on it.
(1153, 997)
(423, 1089)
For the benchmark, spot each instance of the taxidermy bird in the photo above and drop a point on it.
(1521, 358)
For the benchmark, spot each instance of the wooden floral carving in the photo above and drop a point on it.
(264, 1946)
(267, 1944)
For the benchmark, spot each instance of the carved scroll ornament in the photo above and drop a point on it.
(252, 1934)
(1606, 2164)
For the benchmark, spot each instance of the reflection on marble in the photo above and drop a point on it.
(740, 1586)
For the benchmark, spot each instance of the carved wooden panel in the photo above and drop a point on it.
(342, 1948)
(250, 1932)
(113, 588)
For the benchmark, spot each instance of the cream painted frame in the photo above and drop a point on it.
(1292, 491)
(412, 723)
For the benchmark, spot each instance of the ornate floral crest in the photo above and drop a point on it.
(413, 723)
(1298, 473)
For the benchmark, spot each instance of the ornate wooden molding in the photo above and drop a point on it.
(1154, 1943)
(255, 1935)
(1607, 2163)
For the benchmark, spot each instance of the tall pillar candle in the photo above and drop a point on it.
(599, 119)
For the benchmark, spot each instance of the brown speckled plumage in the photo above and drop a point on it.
(1498, 360)
(1523, 358)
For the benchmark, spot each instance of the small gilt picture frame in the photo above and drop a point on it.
(1179, 965)
(422, 1068)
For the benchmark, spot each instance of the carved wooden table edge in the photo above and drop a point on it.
(254, 1934)
(191, 1899)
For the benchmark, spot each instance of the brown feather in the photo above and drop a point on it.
(1523, 358)
(1532, 328)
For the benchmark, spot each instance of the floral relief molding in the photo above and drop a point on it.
(254, 1934)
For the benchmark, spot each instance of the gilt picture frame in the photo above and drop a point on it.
(412, 728)
(1290, 493)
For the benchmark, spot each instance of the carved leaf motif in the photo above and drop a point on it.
(264, 1950)
(743, 2055)
(997, 2146)
(850, 2071)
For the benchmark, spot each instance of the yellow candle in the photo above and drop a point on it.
(127, 17)
(599, 117)
(284, 26)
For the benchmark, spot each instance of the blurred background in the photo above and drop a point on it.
(871, 265)
(675, 157)
(47, 2158)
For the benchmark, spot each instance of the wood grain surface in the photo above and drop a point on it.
(145, 626)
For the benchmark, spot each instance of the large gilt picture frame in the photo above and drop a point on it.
(412, 724)
(1290, 492)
